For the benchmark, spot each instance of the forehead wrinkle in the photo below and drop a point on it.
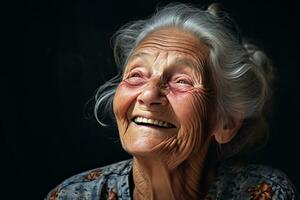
(175, 39)
(196, 49)
(180, 46)
(196, 62)
(142, 55)
(186, 62)
(198, 58)
(139, 55)
(176, 35)
(195, 43)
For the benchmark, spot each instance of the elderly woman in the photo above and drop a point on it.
(190, 98)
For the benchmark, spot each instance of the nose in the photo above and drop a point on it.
(153, 94)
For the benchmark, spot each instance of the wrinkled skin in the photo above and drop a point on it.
(164, 80)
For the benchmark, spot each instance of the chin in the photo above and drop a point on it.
(143, 140)
(141, 146)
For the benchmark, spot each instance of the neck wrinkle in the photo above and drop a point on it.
(154, 181)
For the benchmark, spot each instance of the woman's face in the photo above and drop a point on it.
(161, 103)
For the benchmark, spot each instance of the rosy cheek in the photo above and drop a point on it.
(124, 97)
(181, 103)
(190, 109)
(188, 105)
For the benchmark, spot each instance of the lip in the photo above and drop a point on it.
(154, 118)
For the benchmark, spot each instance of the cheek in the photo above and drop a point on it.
(190, 109)
(123, 98)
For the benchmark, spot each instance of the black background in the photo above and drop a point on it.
(56, 54)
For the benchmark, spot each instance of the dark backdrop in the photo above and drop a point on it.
(56, 53)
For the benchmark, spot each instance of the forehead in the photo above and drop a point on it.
(174, 41)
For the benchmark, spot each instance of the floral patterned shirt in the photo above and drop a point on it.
(234, 181)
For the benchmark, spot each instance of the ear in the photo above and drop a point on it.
(225, 132)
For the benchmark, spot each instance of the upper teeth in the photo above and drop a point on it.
(152, 121)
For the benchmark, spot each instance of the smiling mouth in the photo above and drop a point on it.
(152, 122)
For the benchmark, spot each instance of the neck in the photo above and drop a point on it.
(154, 180)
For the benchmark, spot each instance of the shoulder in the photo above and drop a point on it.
(89, 184)
(252, 181)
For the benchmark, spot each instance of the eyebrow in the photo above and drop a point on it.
(185, 62)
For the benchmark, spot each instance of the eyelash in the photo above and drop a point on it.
(135, 77)
(134, 74)
(182, 81)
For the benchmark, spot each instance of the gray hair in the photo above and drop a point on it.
(240, 73)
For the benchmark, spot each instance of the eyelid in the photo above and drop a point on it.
(138, 70)
(183, 77)
(134, 77)
(135, 72)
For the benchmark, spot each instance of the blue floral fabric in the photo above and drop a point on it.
(234, 181)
